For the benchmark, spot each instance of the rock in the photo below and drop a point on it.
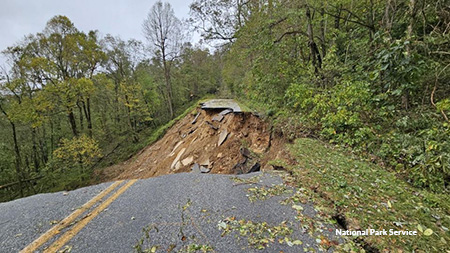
(219, 155)
(225, 112)
(192, 130)
(255, 168)
(175, 148)
(218, 118)
(195, 168)
(222, 137)
(211, 125)
(195, 119)
(187, 161)
(204, 170)
(245, 152)
(177, 158)
(239, 167)
(177, 165)
(277, 167)
(205, 162)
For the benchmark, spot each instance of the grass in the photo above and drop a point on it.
(370, 197)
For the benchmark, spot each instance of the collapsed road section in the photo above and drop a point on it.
(217, 137)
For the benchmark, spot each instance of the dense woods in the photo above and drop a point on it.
(73, 101)
(368, 75)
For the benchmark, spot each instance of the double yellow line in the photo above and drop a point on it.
(66, 222)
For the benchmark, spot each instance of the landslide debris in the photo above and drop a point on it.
(205, 141)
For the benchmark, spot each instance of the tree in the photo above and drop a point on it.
(78, 153)
(164, 32)
(121, 66)
(19, 170)
(63, 56)
(220, 19)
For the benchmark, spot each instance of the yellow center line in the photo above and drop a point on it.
(68, 220)
(82, 223)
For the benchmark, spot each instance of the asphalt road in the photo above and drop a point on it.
(181, 211)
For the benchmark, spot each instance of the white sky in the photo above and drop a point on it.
(19, 18)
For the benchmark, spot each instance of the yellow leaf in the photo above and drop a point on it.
(419, 227)
(428, 232)
(297, 242)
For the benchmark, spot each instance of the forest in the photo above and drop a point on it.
(368, 76)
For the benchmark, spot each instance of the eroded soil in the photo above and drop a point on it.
(231, 146)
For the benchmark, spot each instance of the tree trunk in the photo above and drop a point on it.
(168, 83)
(387, 17)
(35, 151)
(409, 31)
(52, 137)
(323, 31)
(337, 19)
(87, 113)
(72, 122)
(314, 51)
(19, 171)
(80, 110)
(130, 122)
(43, 145)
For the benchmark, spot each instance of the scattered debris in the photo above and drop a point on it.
(187, 161)
(278, 167)
(204, 170)
(195, 119)
(192, 130)
(225, 112)
(240, 166)
(175, 148)
(218, 118)
(211, 125)
(263, 193)
(206, 162)
(245, 152)
(222, 137)
(175, 161)
(259, 235)
(217, 150)
(256, 167)
(177, 165)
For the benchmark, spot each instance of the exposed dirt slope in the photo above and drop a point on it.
(247, 142)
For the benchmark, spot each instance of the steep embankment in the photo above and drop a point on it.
(233, 144)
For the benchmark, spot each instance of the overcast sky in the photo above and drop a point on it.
(19, 18)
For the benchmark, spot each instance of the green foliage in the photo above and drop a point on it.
(352, 81)
(76, 153)
(71, 164)
(67, 88)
